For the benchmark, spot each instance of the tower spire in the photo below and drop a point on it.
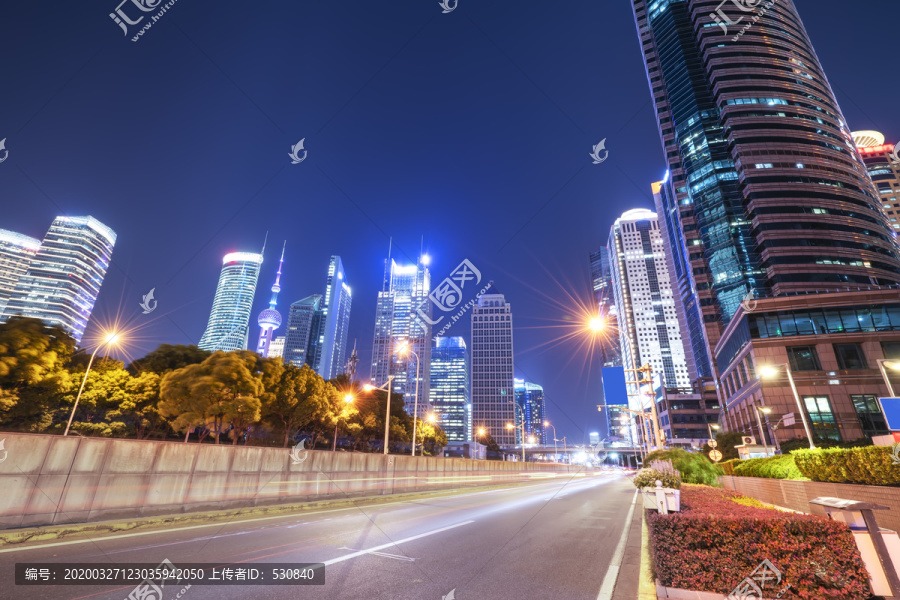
(270, 319)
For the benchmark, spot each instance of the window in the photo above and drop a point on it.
(871, 419)
(803, 358)
(891, 350)
(821, 417)
(850, 356)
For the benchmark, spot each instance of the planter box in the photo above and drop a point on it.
(667, 593)
(673, 498)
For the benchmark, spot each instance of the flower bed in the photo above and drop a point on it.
(715, 542)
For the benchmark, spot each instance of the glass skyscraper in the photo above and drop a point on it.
(16, 253)
(335, 321)
(404, 292)
(450, 399)
(530, 398)
(63, 278)
(610, 354)
(302, 339)
(229, 321)
(883, 163)
(493, 400)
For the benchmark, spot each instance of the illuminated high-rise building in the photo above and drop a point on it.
(883, 163)
(270, 319)
(276, 348)
(16, 253)
(335, 322)
(530, 398)
(302, 338)
(404, 292)
(610, 353)
(493, 399)
(64, 276)
(229, 321)
(450, 399)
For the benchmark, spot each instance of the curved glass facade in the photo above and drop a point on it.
(229, 321)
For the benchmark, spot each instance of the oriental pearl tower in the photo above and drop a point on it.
(270, 319)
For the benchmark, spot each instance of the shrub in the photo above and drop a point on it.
(729, 465)
(773, 467)
(870, 465)
(694, 467)
(648, 477)
(714, 543)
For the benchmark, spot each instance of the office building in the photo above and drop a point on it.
(530, 400)
(270, 319)
(784, 230)
(450, 399)
(229, 322)
(301, 339)
(63, 278)
(601, 276)
(616, 421)
(404, 292)
(276, 348)
(335, 322)
(493, 400)
(883, 164)
(16, 253)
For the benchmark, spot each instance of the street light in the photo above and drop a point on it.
(762, 434)
(710, 427)
(771, 371)
(403, 349)
(368, 388)
(555, 450)
(348, 399)
(892, 365)
(111, 339)
(522, 427)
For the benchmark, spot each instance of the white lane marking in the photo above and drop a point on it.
(612, 574)
(388, 545)
(384, 554)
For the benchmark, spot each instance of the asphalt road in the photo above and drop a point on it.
(548, 540)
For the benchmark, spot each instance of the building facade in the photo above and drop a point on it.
(335, 323)
(16, 254)
(270, 319)
(301, 338)
(530, 399)
(276, 348)
(450, 398)
(493, 399)
(229, 321)
(776, 207)
(63, 278)
(601, 276)
(883, 164)
(404, 292)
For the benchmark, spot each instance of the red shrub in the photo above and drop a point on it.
(714, 543)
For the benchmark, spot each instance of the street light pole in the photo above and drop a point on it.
(787, 370)
(887, 382)
(387, 412)
(762, 434)
(555, 450)
(110, 339)
(416, 405)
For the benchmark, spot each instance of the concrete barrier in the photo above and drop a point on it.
(49, 479)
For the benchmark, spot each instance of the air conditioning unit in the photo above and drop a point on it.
(748, 440)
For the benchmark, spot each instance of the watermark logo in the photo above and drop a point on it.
(295, 452)
(447, 6)
(152, 589)
(447, 295)
(121, 18)
(751, 588)
(450, 596)
(296, 159)
(148, 303)
(3, 452)
(749, 302)
(895, 454)
(757, 7)
(601, 147)
(3, 150)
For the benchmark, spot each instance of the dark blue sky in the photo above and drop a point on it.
(471, 129)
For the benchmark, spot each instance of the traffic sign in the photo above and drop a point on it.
(712, 443)
(891, 409)
(715, 455)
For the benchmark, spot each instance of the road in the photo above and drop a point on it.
(547, 540)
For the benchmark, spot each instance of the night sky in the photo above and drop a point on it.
(471, 129)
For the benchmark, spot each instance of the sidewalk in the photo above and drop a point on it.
(634, 582)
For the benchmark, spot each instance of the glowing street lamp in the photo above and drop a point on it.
(111, 339)
(348, 399)
(404, 349)
(771, 371)
(555, 450)
(369, 388)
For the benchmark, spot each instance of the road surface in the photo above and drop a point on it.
(547, 540)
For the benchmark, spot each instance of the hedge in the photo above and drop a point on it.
(773, 467)
(729, 465)
(870, 465)
(715, 542)
(694, 467)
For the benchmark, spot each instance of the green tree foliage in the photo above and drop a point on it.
(32, 360)
(694, 467)
(725, 443)
(168, 358)
(297, 400)
(220, 394)
(430, 436)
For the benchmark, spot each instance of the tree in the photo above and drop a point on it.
(222, 393)
(168, 358)
(430, 436)
(105, 390)
(340, 412)
(725, 443)
(488, 440)
(298, 399)
(139, 409)
(32, 360)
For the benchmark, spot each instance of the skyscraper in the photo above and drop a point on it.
(16, 254)
(610, 353)
(782, 224)
(229, 321)
(883, 163)
(450, 399)
(276, 348)
(301, 339)
(404, 291)
(270, 319)
(530, 398)
(335, 322)
(649, 330)
(493, 400)
(63, 279)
